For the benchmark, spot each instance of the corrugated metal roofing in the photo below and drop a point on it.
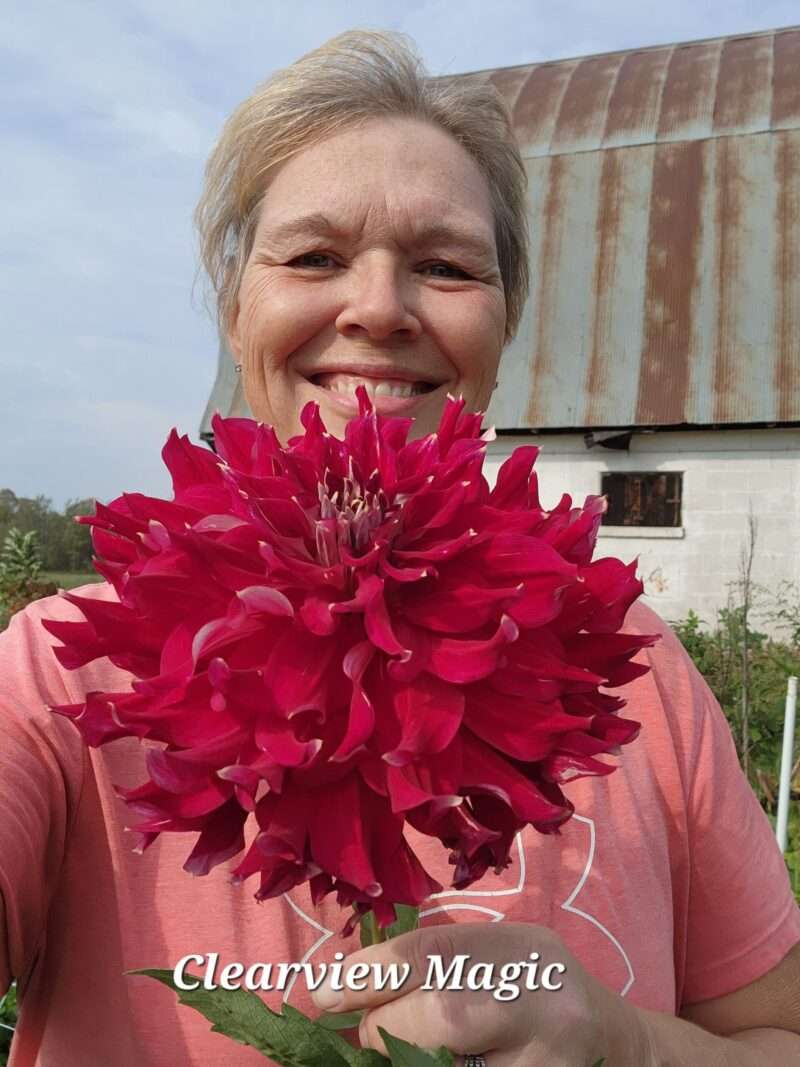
(664, 207)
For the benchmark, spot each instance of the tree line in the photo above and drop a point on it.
(63, 544)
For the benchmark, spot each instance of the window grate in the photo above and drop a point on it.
(642, 498)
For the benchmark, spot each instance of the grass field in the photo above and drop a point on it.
(70, 579)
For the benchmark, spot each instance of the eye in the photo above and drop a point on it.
(317, 260)
(441, 269)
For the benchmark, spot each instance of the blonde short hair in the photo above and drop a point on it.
(354, 77)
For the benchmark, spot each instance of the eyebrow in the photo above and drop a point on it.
(317, 224)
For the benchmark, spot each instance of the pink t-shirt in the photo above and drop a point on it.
(667, 885)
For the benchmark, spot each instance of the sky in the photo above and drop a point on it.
(109, 112)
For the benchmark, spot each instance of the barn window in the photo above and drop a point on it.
(642, 498)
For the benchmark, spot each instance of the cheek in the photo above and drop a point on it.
(278, 318)
(470, 332)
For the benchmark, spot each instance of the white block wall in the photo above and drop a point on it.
(723, 472)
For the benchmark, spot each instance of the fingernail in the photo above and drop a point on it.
(326, 997)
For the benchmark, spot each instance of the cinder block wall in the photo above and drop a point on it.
(723, 472)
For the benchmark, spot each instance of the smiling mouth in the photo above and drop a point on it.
(347, 384)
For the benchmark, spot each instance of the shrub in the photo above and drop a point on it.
(21, 580)
(8, 1019)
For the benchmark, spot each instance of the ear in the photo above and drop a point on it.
(230, 332)
(230, 325)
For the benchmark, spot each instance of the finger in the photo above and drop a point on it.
(390, 970)
(462, 1020)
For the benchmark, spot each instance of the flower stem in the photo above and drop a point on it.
(406, 919)
(371, 933)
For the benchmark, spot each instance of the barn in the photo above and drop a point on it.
(658, 357)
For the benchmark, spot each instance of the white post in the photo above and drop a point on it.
(786, 764)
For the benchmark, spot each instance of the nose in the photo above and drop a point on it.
(378, 303)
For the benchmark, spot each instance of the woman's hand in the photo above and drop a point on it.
(570, 1020)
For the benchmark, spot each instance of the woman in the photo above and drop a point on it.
(363, 224)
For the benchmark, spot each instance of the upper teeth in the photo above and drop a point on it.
(348, 383)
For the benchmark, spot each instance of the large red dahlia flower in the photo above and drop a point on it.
(342, 637)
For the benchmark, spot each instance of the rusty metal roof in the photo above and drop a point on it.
(664, 208)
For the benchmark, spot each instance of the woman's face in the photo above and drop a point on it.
(374, 262)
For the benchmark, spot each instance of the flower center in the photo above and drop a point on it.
(348, 518)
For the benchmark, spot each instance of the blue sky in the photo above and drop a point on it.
(110, 110)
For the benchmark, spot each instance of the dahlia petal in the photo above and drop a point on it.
(81, 645)
(362, 714)
(439, 550)
(564, 767)
(221, 838)
(337, 833)
(614, 729)
(112, 547)
(406, 574)
(539, 601)
(516, 556)
(188, 463)
(614, 587)
(592, 703)
(115, 518)
(218, 523)
(404, 792)
(317, 615)
(434, 509)
(410, 882)
(430, 715)
(299, 668)
(580, 743)
(263, 600)
(608, 655)
(187, 806)
(276, 739)
(173, 775)
(461, 607)
(458, 829)
(320, 885)
(280, 878)
(410, 664)
(378, 624)
(485, 770)
(211, 636)
(576, 540)
(245, 784)
(524, 729)
(169, 514)
(234, 440)
(468, 661)
(448, 423)
(176, 655)
(514, 479)
(373, 772)
(94, 719)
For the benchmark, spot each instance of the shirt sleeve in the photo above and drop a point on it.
(41, 772)
(742, 914)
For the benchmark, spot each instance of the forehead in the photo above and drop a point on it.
(393, 172)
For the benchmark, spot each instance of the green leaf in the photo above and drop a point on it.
(340, 1020)
(369, 929)
(407, 919)
(405, 1054)
(291, 1039)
